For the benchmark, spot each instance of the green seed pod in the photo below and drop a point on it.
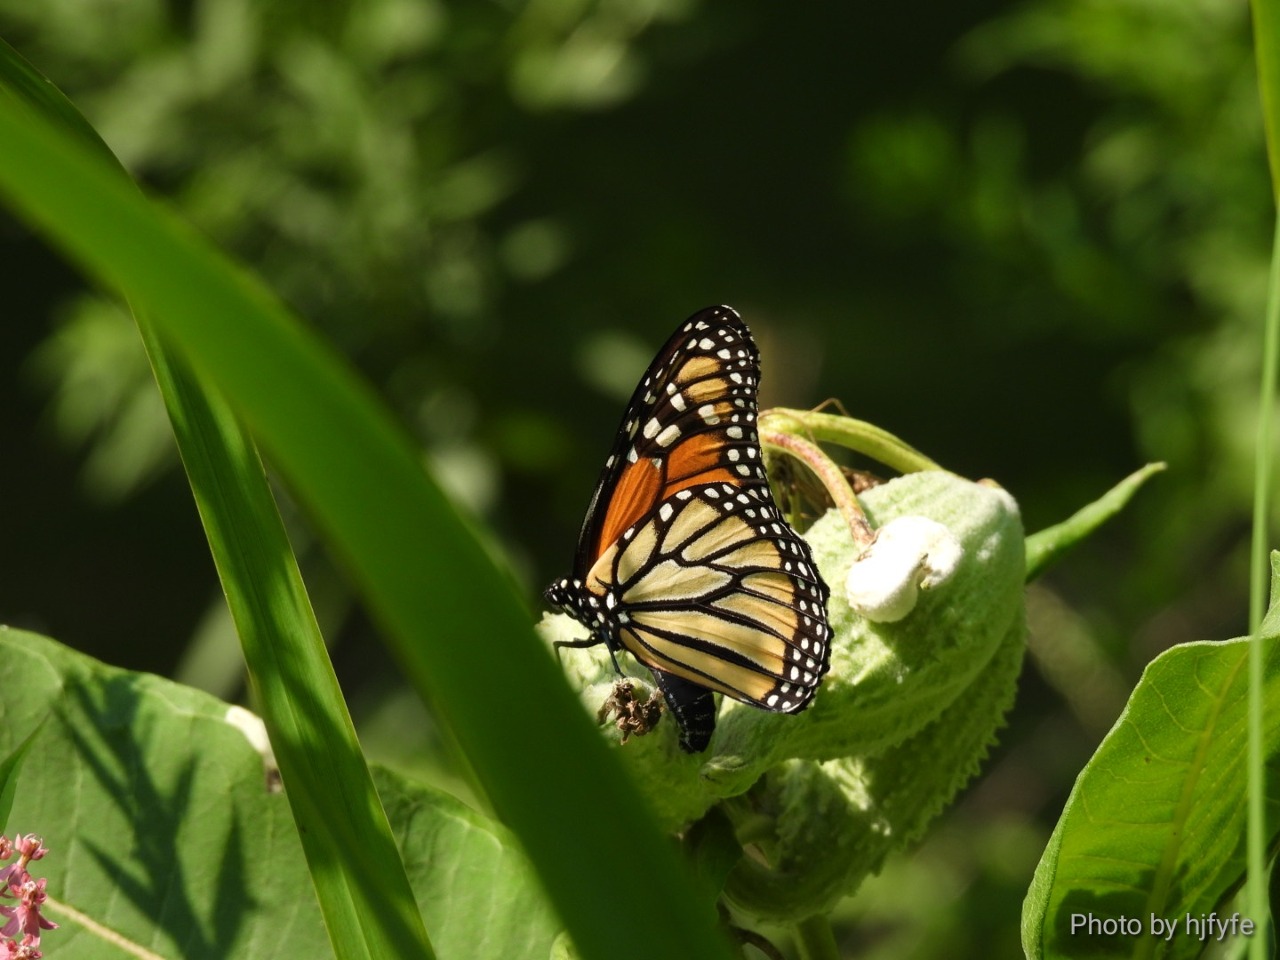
(888, 680)
(889, 683)
(835, 822)
(905, 716)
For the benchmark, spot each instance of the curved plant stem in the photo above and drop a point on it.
(815, 939)
(856, 435)
(811, 455)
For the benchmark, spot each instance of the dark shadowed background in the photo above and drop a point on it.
(1031, 239)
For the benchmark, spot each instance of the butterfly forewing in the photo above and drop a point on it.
(692, 419)
(684, 558)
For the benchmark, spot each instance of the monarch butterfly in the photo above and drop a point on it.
(684, 558)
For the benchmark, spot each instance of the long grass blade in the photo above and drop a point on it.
(1266, 21)
(451, 616)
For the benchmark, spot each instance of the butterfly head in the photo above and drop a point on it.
(560, 594)
(571, 596)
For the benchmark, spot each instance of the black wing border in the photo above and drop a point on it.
(636, 410)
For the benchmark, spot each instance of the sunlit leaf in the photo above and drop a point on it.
(164, 833)
(1155, 826)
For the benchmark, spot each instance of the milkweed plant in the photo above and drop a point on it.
(182, 827)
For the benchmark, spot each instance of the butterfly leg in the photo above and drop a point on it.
(590, 641)
(694, 708)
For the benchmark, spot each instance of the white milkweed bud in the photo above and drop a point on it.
(908, 554)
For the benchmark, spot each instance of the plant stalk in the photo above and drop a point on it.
(815, 939)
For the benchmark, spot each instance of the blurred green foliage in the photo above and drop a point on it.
(352, 161)
(1031, 239)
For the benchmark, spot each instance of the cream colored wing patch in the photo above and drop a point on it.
(715, 587)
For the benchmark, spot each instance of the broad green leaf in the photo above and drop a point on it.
(1155, 825)
(451, 617)
(10, 767)
(155, 810)
(479, 896)
(164, 836)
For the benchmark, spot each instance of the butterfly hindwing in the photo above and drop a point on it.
(716, 588)
(684, 558)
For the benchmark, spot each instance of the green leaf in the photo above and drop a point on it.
(1155, 825)
(10, 767)
(39, 94)
(1046, 546)
(1266, 31)
(156, 814)
(452, 618)
(163, 834)
(479, 896)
